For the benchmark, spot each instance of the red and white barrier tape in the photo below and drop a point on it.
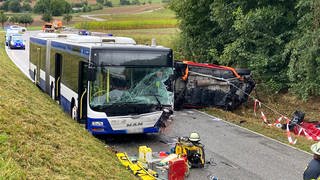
(308, 136)
(289, 133)
(264, 118)
(277, 123)
(256, 102)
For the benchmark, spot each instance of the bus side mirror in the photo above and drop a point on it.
(91, 74)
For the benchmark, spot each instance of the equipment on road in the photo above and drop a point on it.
(170, 167)
(145, 154)
(192, 149)
(136, 167)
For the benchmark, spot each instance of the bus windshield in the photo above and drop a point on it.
(120, 85)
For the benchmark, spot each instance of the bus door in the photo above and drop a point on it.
(82, 91)
(37, 71)
(57, 76)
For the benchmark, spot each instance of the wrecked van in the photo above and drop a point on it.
(199, 85)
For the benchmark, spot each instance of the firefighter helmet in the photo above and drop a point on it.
(315, 148)
(194, 137)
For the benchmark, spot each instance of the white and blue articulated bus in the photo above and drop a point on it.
(110, 84)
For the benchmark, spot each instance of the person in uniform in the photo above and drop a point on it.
(313, 169)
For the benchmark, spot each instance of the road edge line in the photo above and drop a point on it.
(211, 116)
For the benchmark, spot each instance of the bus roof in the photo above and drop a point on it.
(96, 42)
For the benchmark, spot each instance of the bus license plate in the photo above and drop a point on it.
(135, 130)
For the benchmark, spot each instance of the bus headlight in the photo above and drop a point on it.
(97, 123)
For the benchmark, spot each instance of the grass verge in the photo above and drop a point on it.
(39, 141)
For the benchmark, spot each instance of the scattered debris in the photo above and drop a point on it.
(216, 119)
(187, 153)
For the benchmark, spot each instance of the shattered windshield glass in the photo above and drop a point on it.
(116, 85)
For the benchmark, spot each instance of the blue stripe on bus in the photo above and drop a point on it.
(31, 73)
(42, 84)
(66, 105)
(38, 41)
(82, 51)
(106, 128)
(150, 130)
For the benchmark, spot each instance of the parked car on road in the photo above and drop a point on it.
(84, 32)
(16, 42)
(10, 32)
(19, 28)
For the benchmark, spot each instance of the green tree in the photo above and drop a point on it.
(5, 6)
(135, 2)
(67, 18)
(124, 2)
(53, 7)
(304, 51)
(3, 18)
(14, 6)
(25, 19)
(47, 17)
(26, 6)
(250, 34)
(14, 19)
(42, 6)
(108, 3)
(100, 1)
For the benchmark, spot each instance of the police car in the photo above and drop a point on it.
(16, 41)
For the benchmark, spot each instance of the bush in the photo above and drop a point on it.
(124, 2)
(96, 7)
(14, 6)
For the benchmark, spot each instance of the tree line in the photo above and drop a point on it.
(278, 40)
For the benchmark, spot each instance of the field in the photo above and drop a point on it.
(39, 141)
(117, 2)
(160, 24)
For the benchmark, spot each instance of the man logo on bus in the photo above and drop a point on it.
(134, 124)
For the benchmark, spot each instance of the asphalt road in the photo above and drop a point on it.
(236, 152)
